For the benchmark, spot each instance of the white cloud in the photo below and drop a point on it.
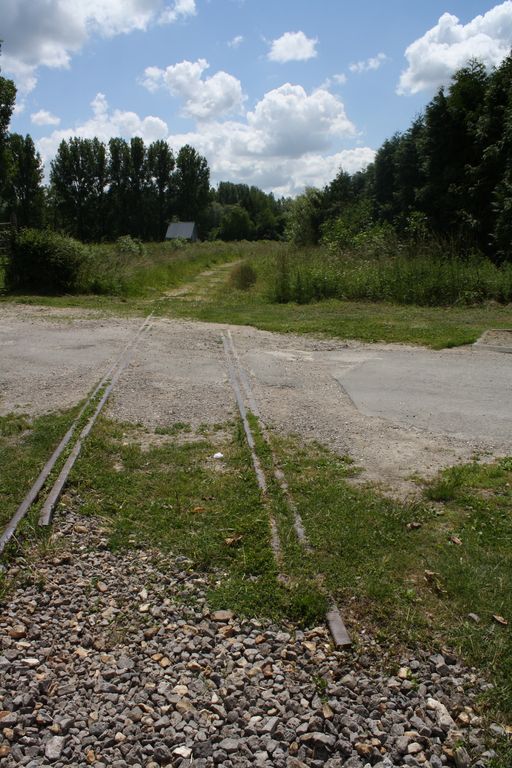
(43, 117)
(287, 142)
(236, 42)
(334, 80)
(105, 124)
(229, 149)
(435, 57)
(369, 65)
(293, 46)
(180, 10)
(289, 122)
(48, 32)
(204, 99)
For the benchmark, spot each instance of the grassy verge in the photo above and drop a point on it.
(139, 284)
(130, 283)
(25, 446)
(413, 574)
(437, 327)
(409, 575)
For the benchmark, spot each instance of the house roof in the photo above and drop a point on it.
(185, 229)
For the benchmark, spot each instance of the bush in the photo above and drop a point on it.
(242, 276)
(127, 246)
(46, 262)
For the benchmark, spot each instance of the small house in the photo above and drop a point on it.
(182, 230)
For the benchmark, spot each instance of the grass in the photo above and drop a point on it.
(431, 274)
(173, 495)
(436, 327)
(408, 574)
(416, 584)
(149, 282)
(25, 445)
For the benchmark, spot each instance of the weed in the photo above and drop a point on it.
(243, 276)
(13, 424)
(173, 429)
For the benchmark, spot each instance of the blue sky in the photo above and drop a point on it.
(279, 94)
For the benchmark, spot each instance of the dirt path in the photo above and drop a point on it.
(396, 410)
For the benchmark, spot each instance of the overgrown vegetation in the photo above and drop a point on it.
(47, 262)
(213, 299)
(410, 573)
(426, 278)
(243, 276)
(167, 491)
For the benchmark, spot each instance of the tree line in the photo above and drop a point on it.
(100, 191)
(449, 175)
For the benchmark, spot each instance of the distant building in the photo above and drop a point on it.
(183, 230)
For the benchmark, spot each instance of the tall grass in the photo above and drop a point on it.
(130, 269)
(424, 279)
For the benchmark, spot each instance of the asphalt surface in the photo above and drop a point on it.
(465, 393)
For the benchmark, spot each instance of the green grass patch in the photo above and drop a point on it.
(412, 574)
(171, 494)
(25, 446)
(370, 321)
(194, 282)
(436, 327)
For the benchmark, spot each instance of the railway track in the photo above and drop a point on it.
(240, 382)
(83, 423)
(102, 390)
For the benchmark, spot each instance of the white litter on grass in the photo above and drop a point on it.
(218, 455)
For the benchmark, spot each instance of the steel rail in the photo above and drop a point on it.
(278, 473)
(258, 469)
(41, 479)
(334, 620)
(51, 500)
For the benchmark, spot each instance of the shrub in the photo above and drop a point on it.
(176, 244)
(242, 276)
(127, 246)
(46, 262)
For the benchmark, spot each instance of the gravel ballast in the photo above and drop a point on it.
(114, 659)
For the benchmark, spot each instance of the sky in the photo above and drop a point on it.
(276, 93)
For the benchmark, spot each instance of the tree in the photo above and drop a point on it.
(191, 184)
(160, 166)
(118, 192)
(304, 218)
(235, 224)
(7, 101)
(24, 188)
(79, 177)
(138, 188)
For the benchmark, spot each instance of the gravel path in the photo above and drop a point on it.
(113, 660)
(52, 358)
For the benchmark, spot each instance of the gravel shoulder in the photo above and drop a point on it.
(116, 660)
